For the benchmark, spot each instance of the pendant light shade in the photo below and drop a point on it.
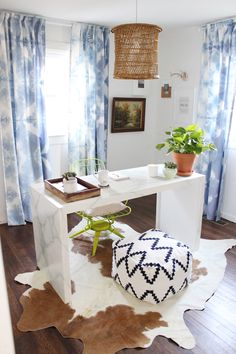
(136, 47)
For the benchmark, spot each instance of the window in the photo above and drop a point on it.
(57, 90)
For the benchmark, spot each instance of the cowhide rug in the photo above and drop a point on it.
(106, 317)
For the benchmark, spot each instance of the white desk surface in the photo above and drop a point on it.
(139, 184)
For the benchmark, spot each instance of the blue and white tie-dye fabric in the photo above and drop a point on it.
(88, 92)
(22, 110)
(216, 97)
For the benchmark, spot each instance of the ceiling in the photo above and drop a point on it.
(165, 13)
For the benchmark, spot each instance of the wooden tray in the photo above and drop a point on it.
(88, 190)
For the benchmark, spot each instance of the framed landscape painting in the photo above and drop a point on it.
(128, 114)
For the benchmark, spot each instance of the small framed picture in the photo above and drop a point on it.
(166, 91)
(128, 114)
(140, 87)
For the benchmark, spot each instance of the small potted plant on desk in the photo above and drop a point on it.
(69, 182)
(186, 144)
(170, 169)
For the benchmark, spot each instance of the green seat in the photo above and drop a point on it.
(98, 219)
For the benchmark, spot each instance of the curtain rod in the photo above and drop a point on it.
(219, 21)
(50, 20)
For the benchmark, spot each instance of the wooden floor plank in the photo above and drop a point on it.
(214, 328)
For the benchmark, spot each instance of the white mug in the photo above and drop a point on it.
(103, 178)
(152, 170)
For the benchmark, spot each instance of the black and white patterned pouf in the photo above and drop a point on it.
(153, 266)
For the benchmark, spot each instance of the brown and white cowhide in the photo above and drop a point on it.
(106, 317)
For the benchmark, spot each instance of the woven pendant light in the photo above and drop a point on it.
(136, 51)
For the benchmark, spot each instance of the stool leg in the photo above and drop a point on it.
(95, 242)
(80, 232)
(116, 232)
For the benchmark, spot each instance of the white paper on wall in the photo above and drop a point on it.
(184, 111)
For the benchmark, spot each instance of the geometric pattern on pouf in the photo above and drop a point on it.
(153, 266)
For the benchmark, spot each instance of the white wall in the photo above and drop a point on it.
(229, 196)
(179, 50)
(135, 148)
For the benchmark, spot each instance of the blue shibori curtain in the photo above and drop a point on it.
(22, 113)
(216, 99)
(88, 92)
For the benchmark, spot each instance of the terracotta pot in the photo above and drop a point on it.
(184, 163)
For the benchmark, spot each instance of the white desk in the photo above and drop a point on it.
(179, 212)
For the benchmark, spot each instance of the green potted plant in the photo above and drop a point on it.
(170, 169)
(69, 182)
(186, 143)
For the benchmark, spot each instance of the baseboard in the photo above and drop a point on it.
(3, 221)
(229, 217)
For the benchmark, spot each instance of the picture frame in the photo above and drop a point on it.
(128, 114)
(166, 91)
(140, 87)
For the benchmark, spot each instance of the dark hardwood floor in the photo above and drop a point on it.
(214, 328)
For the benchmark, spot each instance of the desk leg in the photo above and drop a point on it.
(179, 211)
(51, 244)
(158, 205)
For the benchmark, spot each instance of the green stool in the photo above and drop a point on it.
(102, 219)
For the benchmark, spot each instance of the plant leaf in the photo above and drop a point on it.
(160, 146)
(191, 128)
